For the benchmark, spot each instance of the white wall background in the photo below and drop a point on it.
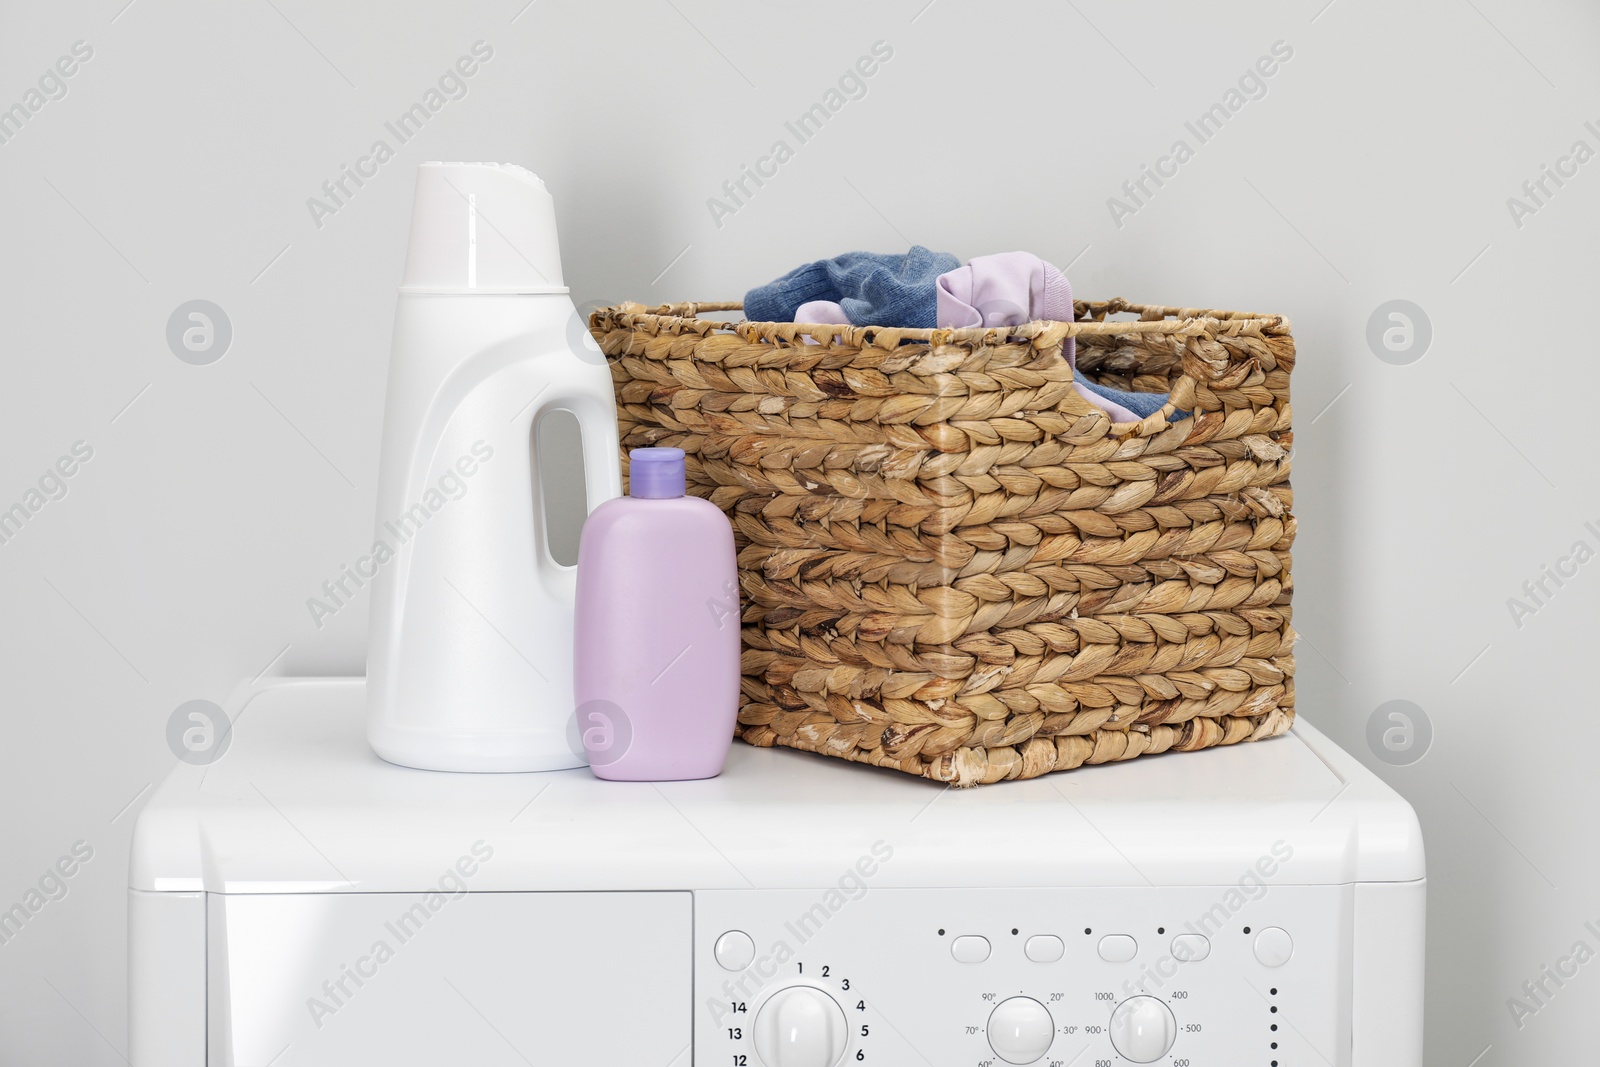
(1376, 167)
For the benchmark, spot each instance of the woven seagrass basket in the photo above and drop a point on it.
(952, 564)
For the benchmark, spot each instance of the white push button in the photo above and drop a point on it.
(1118, 948)
(1274, 946)
(735, 950)
(1044, 948)
(1190, 948)
(970, 949)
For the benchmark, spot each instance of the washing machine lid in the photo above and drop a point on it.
(299, 803)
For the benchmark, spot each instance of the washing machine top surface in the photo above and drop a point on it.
(299, 803)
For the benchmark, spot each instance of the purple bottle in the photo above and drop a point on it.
(656, 664)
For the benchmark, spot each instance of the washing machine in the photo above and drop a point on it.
(297, 902)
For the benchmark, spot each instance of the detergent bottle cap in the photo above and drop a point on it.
(485, 228)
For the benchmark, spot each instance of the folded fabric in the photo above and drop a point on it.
(824, 311)
(1011, 288)
(871, 288)
(1141, 405)
(1007, 289)
(1095, 394)
(924, 289)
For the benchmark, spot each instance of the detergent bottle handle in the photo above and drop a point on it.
(597, 434)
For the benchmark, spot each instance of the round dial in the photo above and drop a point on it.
(1020, 1030)
(1143, 1029)
(800, 1027)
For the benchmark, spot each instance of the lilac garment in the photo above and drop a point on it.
(823, 311)
(1009, 289)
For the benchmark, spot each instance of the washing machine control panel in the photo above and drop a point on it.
(1221, 976)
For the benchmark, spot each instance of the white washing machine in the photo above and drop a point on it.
(299, 902)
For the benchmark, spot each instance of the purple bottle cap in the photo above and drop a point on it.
(656, 473)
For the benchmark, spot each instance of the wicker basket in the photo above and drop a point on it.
(952, 564)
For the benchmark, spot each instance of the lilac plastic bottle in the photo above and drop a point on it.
(656, 655)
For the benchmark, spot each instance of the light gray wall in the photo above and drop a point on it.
(1376, 167)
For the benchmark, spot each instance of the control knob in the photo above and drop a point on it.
(1143, 1029)
(800, 1026)
(1020, 1030)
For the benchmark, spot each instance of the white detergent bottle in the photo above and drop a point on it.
(469, 658)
